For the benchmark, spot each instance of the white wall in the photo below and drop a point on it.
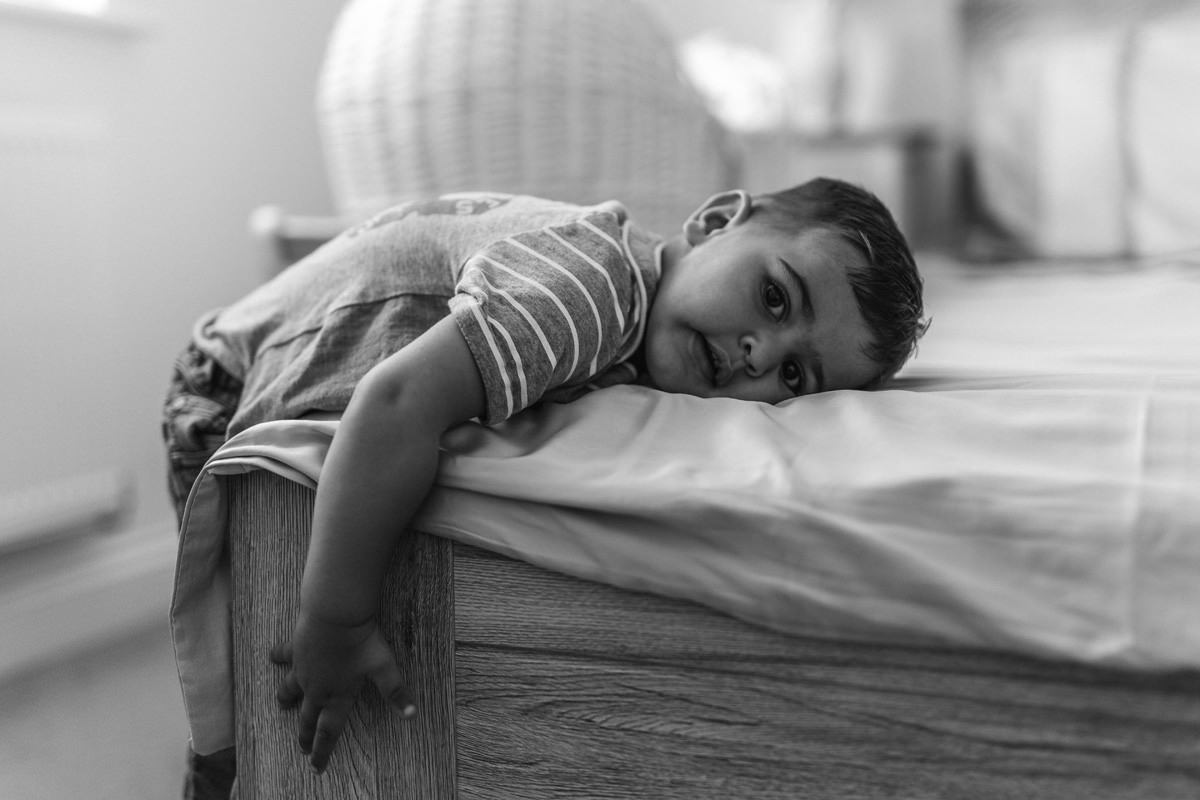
(110, 252)
(129, 162)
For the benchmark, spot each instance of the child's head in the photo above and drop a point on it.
(805, 290)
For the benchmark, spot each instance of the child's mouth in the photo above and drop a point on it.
(716, 361)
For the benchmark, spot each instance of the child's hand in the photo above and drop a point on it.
(328, 665)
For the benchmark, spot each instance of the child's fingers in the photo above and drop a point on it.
(288, 693)
(307, 728)
(390, 684)
(282, 653)
(329, 729)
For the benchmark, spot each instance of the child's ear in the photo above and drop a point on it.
(721, 211)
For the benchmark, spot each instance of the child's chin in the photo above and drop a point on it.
(677, 380)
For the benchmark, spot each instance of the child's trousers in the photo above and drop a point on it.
(200, 402)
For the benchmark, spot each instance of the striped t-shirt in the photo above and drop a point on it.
(553, 312)
(550, 297)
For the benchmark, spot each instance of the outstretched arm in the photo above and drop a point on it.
(380, 466)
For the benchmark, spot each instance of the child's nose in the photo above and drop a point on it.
(759, 353)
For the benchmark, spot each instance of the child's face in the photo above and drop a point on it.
(757, 314)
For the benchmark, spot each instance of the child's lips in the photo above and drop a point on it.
(702, 355)
(716, 363)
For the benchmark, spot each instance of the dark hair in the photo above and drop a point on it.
(888, 291)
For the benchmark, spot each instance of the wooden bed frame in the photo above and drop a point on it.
(535, 685)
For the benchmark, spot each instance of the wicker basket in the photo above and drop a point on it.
(578, 100)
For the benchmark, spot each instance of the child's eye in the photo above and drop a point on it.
(793, 377)
(775, 299)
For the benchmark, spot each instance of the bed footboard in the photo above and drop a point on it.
(537, 685)
(380, 754)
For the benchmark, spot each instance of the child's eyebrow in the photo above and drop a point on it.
(801, 285)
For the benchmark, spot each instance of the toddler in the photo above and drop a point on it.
(476, 306)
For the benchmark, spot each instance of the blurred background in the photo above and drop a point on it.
(159, 158)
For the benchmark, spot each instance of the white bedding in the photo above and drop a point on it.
(1030, 484)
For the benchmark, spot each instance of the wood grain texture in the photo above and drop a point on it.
(380, 755)
(562, 688)
(573, 689)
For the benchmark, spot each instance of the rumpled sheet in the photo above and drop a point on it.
(1030, 486)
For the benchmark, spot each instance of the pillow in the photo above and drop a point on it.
(1164, 134)
(1078, 116)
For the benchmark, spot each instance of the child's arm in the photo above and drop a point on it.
(380, 466)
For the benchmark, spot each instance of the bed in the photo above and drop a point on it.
(982, 581)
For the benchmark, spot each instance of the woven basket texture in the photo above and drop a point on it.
(577, 100)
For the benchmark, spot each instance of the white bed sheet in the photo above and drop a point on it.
(1030, 484)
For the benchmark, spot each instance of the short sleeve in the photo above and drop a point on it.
(546, 309)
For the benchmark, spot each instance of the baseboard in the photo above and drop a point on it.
(114, 590)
